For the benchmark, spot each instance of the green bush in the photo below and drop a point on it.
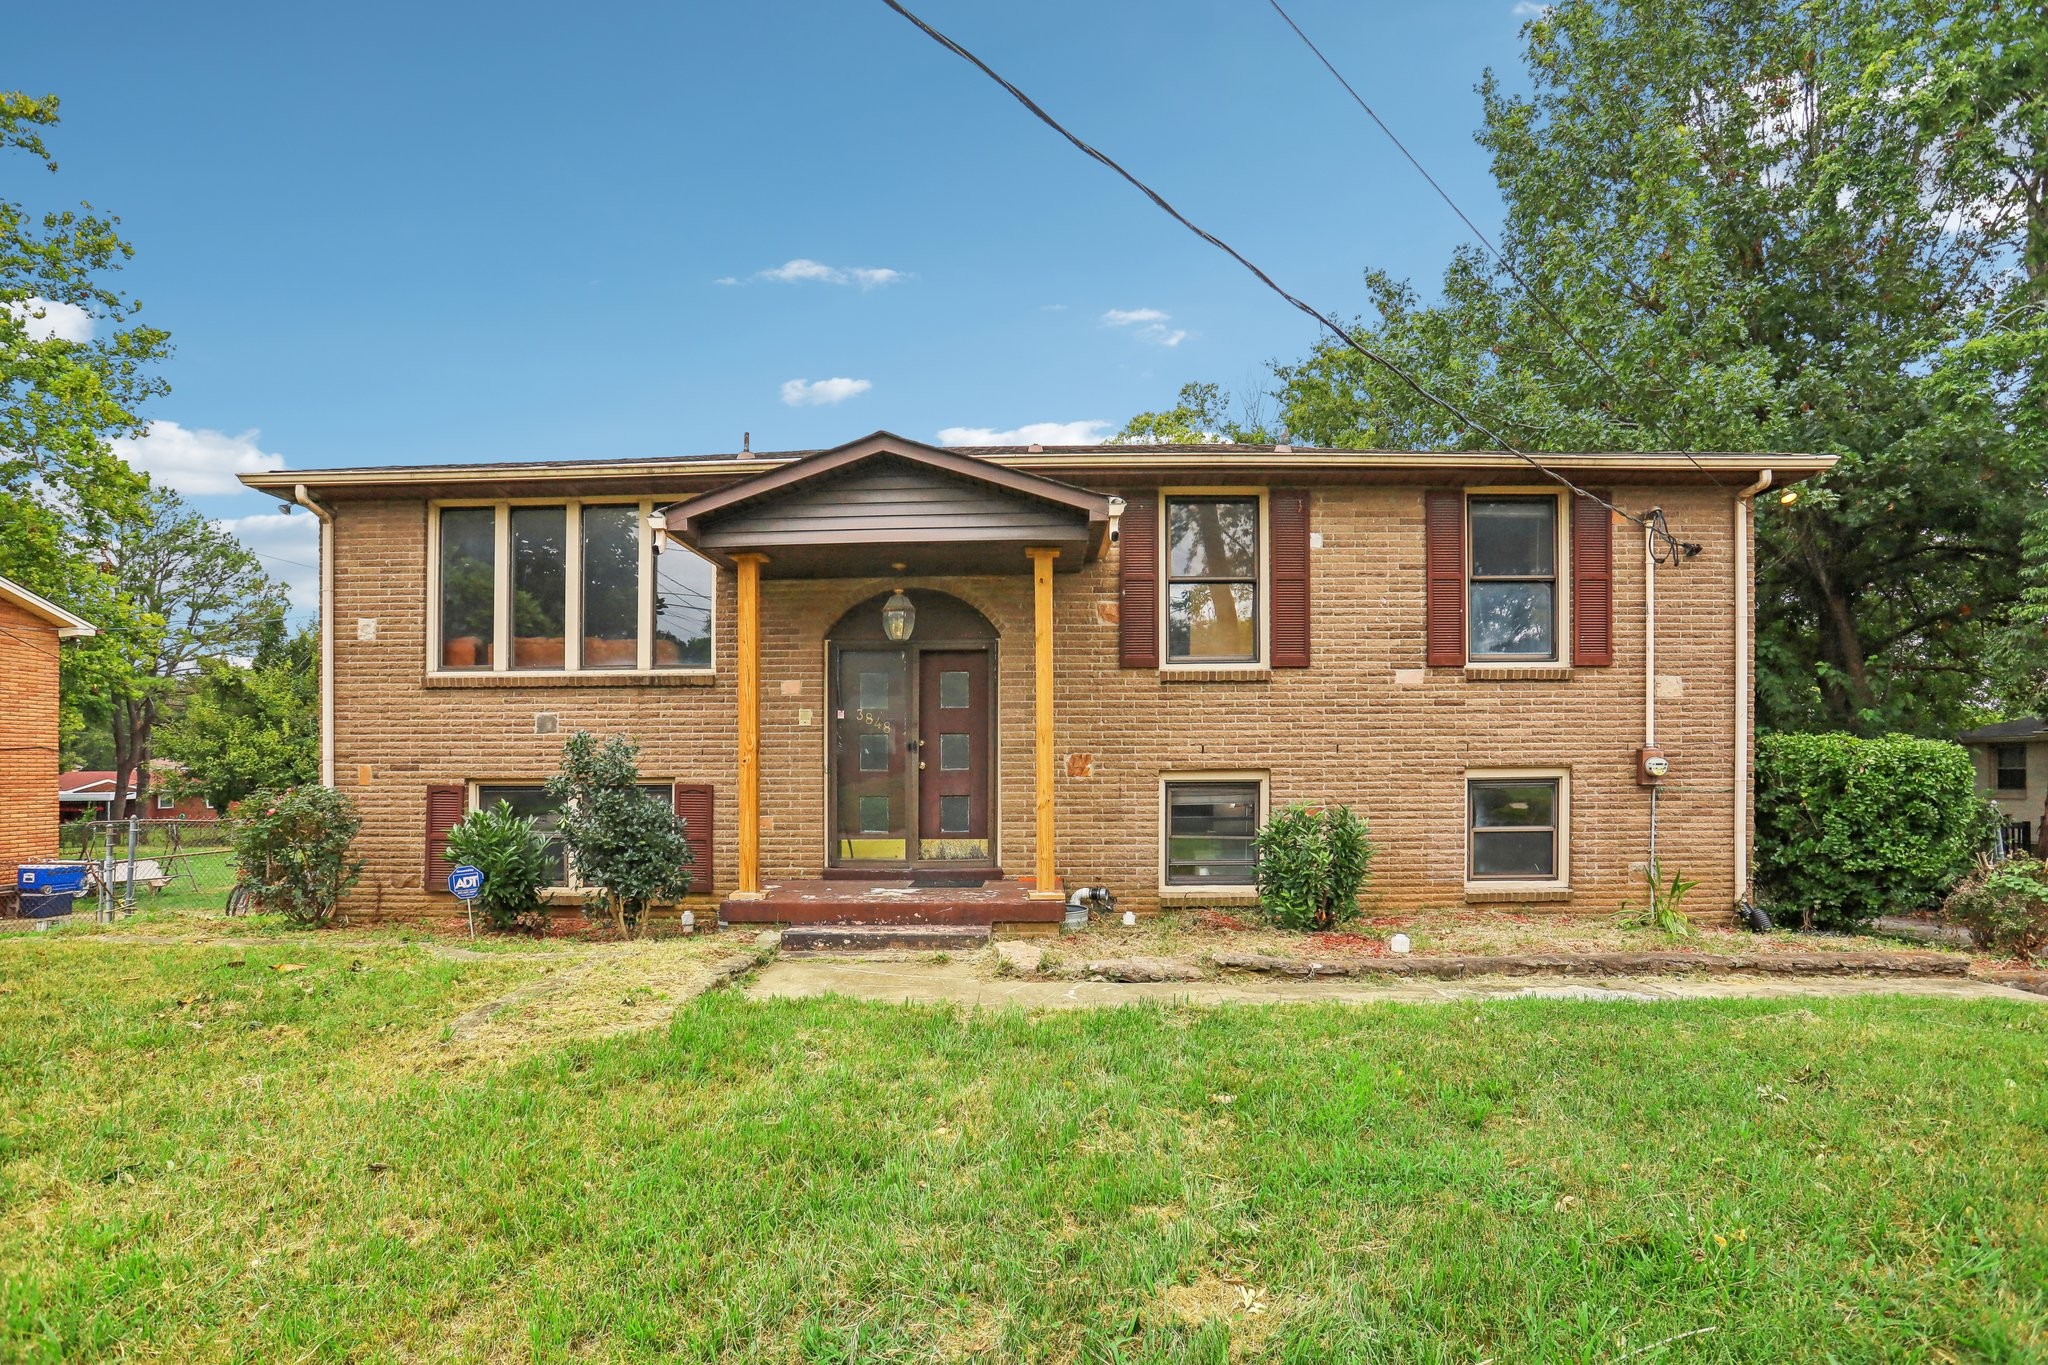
(2005, 907)
(1848, 829)
(509, 851)
(625, 844)
(1312, 863)
(293, 849)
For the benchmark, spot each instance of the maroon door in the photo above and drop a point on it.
(953, 756)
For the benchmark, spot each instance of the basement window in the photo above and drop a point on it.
(1514, 830)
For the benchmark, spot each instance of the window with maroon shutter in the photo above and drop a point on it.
(1592, 583)
(446, 805)
(695, 804)
(1443, 524)
(1288, 514)
(1137, 568)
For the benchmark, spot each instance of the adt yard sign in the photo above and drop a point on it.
(466, 883)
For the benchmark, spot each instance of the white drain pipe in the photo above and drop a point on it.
(1745, 520)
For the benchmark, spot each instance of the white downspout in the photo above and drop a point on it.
(312, 504)
(1744, 521)
(1649, 639)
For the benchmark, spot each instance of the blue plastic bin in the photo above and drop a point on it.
(48, 889)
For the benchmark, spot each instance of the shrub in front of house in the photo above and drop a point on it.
(1848, 829)
(1312, 863)
(509, 851)
(292, 847)
(625, 844)
(2004, 906)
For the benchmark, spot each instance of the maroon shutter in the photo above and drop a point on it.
(446, 805)
(1137, 574)
(1592, 583)
(1443, 529)
(1288, 513)
(695, 803)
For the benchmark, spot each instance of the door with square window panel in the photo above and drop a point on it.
(953, 756)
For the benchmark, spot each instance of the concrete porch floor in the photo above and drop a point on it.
(812, 901)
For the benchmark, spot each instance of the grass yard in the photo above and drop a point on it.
(204, 1157)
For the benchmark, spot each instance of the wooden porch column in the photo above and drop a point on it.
(748, 619)
(1046, 883)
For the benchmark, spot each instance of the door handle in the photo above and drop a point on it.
(920, 765)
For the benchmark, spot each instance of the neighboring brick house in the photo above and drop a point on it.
(89, 793)
(2012, 769)
(32, 631)
(1121, 658)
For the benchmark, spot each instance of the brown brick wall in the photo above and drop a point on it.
(1367, 724)
(28, 740)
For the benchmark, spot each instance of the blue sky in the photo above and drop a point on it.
(385, 233)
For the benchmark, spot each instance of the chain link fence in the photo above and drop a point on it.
(182, 865)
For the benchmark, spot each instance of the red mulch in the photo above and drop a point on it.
(1349, 943)
(1216, 919)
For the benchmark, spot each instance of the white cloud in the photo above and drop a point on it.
(812, 393)
(196, 462)
(1527, 9)
(1149, 324)
(46, 318)
(289, 547)
(804, 271)
(1030, 434)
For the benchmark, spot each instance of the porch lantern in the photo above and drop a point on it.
(899, 617)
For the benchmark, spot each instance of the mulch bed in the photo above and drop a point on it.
(1606, 964)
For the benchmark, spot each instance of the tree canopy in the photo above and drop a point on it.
(1762, 225)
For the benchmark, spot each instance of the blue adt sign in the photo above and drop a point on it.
(466, 883)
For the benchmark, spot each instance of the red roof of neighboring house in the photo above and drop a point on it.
(87, 782)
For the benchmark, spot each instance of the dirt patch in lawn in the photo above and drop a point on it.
(598, 991)
(1201, 935)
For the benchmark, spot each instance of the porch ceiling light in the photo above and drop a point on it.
(899, 617)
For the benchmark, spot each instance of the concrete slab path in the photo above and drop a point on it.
(965, 984)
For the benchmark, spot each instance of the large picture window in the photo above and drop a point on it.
(1212, 579)
(1513, 826)
(1512, 592)
(545, 810)
(566, 587)
(1209, 830)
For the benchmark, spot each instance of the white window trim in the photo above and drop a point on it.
(164, 801)
(572, 607)
(1563, 880)
(1169, 890)
(1562, 606)
(1264, 634)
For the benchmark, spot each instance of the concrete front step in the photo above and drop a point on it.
(869, 938)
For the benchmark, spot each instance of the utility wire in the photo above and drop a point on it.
(1464, 420)
(1535, 297)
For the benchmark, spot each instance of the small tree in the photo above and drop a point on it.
(509, 851)
(1312, 863)
(623, 842)
(293, 848)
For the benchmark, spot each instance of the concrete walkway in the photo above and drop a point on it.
(965, 984)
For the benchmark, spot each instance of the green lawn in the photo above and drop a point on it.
(204, 1158)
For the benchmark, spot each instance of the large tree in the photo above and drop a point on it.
(75, 372)
(176, 592)
(249, 725)
(1768, 225)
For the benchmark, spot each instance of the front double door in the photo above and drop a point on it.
(911, 757)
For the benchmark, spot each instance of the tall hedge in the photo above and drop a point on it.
(1853, 828)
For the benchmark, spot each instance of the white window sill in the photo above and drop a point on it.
(1208, 895)
(1518, 891)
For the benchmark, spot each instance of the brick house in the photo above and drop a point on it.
(888, 678)
(88, 793)
(32, 630)
(2011, 757)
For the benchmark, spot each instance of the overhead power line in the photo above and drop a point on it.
(1465, 420)
(1564, 329)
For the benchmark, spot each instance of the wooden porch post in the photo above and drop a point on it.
(748, 619)
(1046, 883)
